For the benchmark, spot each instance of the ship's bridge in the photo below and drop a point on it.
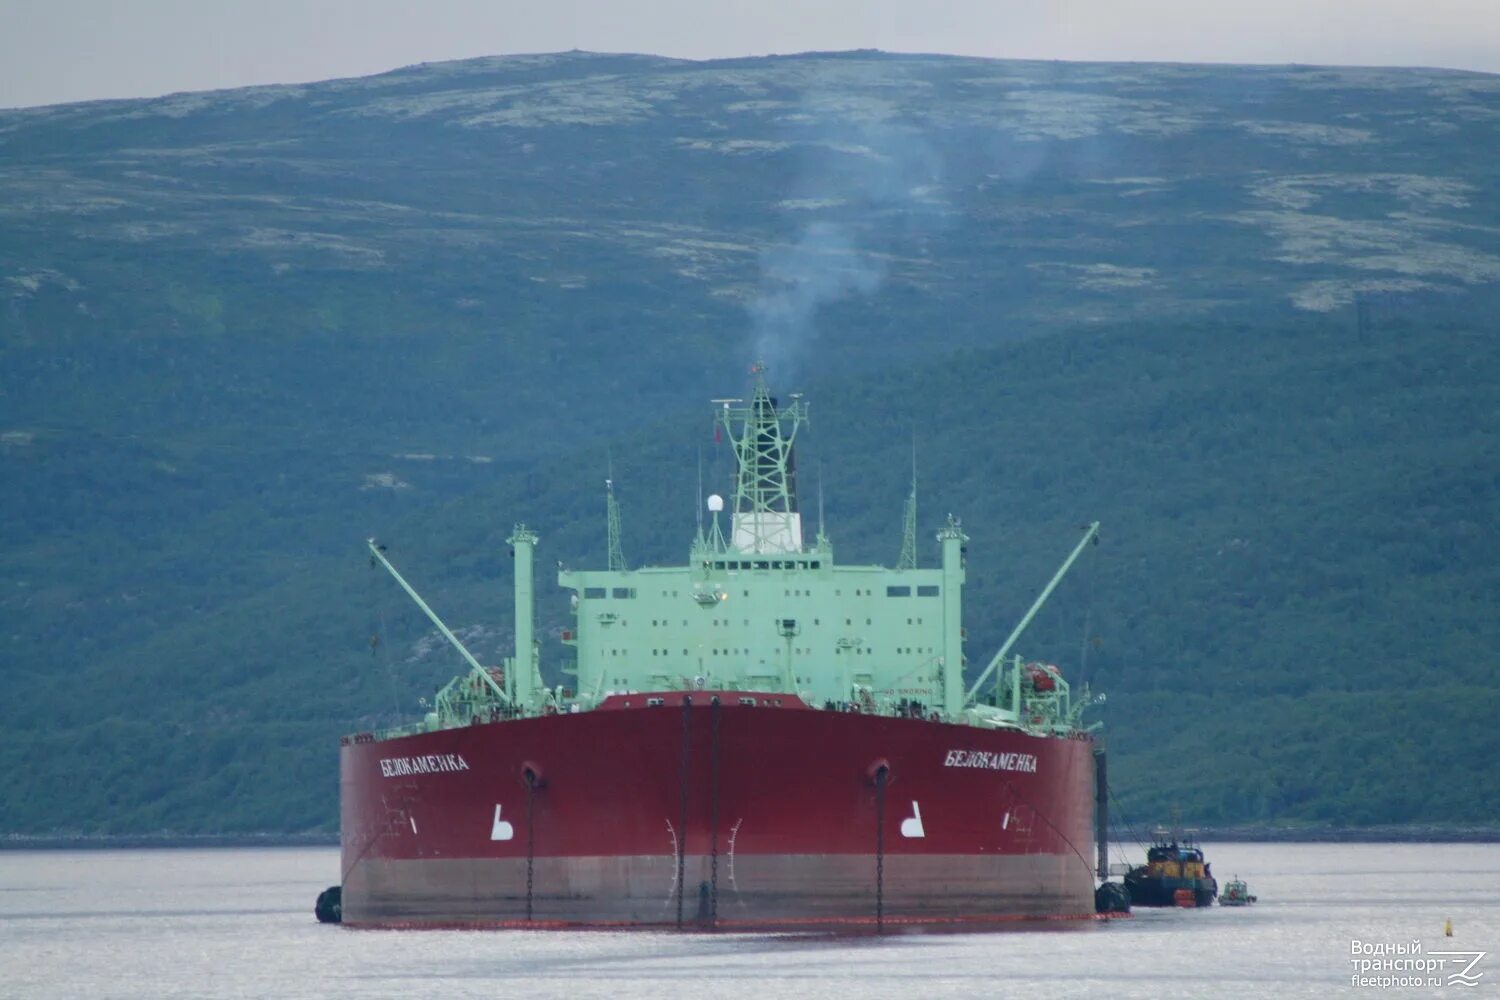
(755, 621)
(759, 610)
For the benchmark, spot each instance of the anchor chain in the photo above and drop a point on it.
(682, 785)
(530, 839)
(713, 818)
(880, 776)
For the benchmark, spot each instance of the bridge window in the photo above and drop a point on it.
(594, 593)
(623, 592)
(898, 592)
(927, 590)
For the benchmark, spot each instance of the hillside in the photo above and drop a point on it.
(1242, 315)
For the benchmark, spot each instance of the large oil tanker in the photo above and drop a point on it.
(762, 737)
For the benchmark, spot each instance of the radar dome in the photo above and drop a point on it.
(715, 502)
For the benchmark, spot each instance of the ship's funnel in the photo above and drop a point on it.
(765, 515)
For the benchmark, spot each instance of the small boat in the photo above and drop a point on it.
(1236, 893)
(1174, 874)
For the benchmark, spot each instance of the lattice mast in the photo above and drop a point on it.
(765, 513)
(908, 557)
(612, 527)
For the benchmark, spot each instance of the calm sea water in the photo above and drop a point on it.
(238, 923)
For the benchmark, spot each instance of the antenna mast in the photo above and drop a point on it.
(699, 504)
(822, 536)
(612, 521)
(908, 558)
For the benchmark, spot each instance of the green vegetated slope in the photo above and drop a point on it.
(240, 331)
(1291, 611)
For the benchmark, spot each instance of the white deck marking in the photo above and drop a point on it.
(500, 829)
(413, 821)
(671, 889)
(734, 832)
(911, 826)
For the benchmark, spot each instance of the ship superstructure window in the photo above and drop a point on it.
(898, 592)
(927, 590)
(594, 593)
(624, 592)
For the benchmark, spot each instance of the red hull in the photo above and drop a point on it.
(730, 815)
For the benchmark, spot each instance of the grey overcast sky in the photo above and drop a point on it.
(52, 51)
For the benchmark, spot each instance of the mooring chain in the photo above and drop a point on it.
(713, 818)
(880, 850)
(682, 785)
(530, 837)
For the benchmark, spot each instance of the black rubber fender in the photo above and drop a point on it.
(1111, 897)
(330, 906)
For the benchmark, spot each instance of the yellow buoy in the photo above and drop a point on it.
(1448, 928)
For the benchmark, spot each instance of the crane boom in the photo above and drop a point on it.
(1090, 534)
(432, 616)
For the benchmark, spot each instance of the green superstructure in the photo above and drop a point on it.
(758, 608)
